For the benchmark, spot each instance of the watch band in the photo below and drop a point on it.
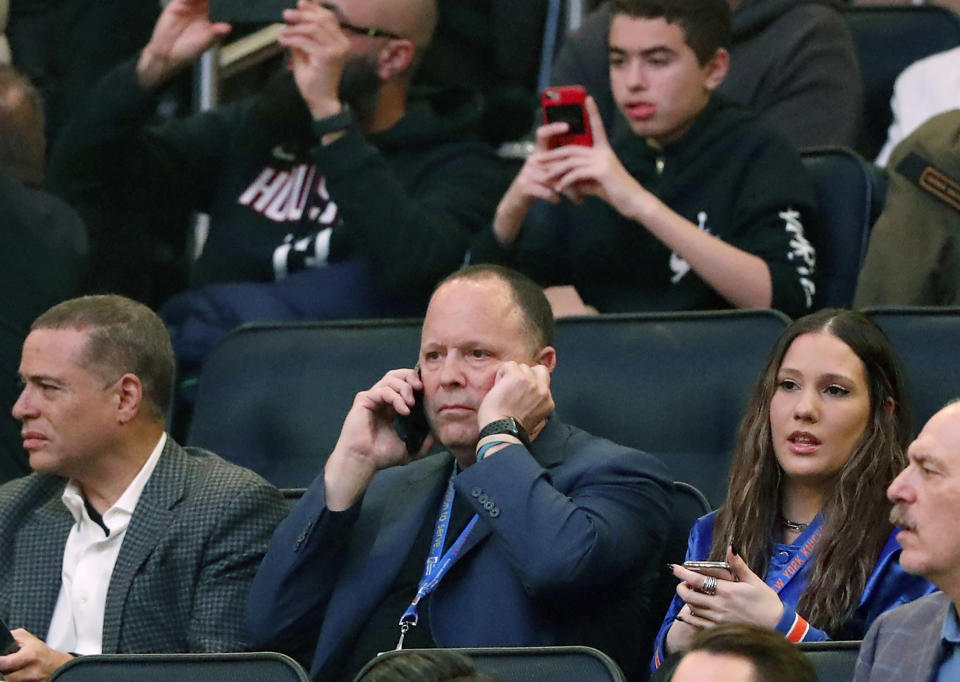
(508, 425)
(332, 124)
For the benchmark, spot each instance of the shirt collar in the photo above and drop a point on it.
(951, 626)
(117, 515)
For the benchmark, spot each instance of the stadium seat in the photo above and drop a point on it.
(833, 661)
(847, 207)
(231, 667)
(888, 40)
(926, 340)
(673, 384)
(537, 664)
(272, 397)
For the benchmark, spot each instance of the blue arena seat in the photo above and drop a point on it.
(848, 204)
(229, 667)
(832, 661)
(272, 397)
(673, 384)
(926, 340)
(537, 664)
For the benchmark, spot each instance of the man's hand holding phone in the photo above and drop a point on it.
(368, 440)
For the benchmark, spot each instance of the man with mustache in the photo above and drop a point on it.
(339, 184)
(533, 532)
(918, 641)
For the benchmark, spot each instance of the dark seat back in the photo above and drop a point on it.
(846, 191)
(537, 664)
(888, 40)
(673, 384)
(926, 340)
(232, 667)
(833, 661)
(689, 504)
(272, 397)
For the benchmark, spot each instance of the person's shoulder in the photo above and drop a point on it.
(210, 477)
(731, 126)
(915, 613)
(31, 489)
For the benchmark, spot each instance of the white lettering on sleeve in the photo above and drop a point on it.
(801, 253)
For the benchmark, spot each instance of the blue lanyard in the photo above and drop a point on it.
(438, 562)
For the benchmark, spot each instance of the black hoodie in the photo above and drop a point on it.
(792, 61)
(407, 200)
(731, 176)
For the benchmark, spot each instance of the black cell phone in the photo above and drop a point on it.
(413, 428)
(8, 644)
(249, 11)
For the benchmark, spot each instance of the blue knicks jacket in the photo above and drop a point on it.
(559, 524)
(887, 587)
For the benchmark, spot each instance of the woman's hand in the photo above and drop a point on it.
(746, 599)
(682, 632)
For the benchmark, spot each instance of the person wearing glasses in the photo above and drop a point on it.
(335, 182)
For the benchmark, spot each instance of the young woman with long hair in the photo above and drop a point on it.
(805, 523)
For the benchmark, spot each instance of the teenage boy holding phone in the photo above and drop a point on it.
(697, 206)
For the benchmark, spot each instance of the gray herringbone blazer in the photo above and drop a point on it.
(193, 545)
(903, 645)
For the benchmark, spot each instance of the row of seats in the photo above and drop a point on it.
(831, 660)
(272, 397)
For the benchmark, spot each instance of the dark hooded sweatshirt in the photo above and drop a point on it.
(405, 202)
(792, 61)
(727, 174)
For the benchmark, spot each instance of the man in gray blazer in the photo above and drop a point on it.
(917, 642)
(121, 540)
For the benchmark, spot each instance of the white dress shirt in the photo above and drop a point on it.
(88, 560)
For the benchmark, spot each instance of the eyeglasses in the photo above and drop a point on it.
(367, 31)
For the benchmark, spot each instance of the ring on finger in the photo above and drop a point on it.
(709, 586)
(692, 612)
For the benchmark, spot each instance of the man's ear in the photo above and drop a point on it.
(715, 70)
(129, 397)
(548, 358)
(395, 58)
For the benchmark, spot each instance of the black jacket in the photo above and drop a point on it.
(727, 173)
(406, 201)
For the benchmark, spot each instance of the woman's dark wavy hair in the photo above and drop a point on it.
(856, 509)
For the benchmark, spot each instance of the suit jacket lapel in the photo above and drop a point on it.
(151, 517)
(37, 573)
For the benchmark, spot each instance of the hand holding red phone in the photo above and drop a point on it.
(565, 104)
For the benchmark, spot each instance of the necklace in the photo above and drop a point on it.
(794, 525)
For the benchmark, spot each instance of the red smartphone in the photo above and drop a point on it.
(565, 103)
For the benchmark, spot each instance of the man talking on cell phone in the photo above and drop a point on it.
(523, 531)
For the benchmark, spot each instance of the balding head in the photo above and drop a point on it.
(414, 20)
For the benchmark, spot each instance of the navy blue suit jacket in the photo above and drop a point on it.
(566, 521)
